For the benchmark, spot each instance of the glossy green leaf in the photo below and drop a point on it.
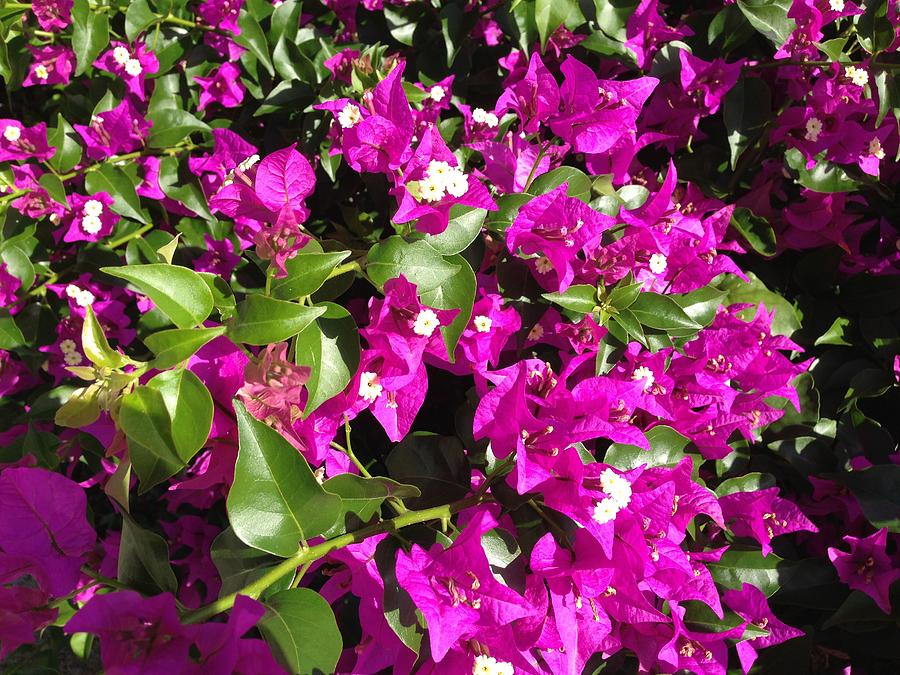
(275, 503)
(437, 465)
(462, 229)
(261, 320)
(579, 298)
(253, 39)
(457, 292)
(173, 125)
(10, 334)
(179, 344)
(138, 18)
(330, 347)
(746, 109)
(300, 628)
(417, 261)
(306, 272)
(95, 345)
(179, 293)
(551, 14)
(68, 149)
(362, 498)
(90, 34)
(111, 179)
(143, 562)
(666, 449)
(661, 312)
(239, 564)
(769, 17)
(877, 489)
(579, 185)
(736, 568)
(755, 230)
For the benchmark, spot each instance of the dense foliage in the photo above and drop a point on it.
(461, 336)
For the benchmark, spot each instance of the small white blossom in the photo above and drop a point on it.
(72, 291)
(482, 116)
(437, 93)
(543, 265)
(658, 263)
(41, 72)
(438, 170)
(457, 183)
(482, 323)
(425, 323)
(121, 55)
(84, 298)
(369, 389)
(645, 374)
(12, 133)
(858, 76)
(133, 67)
(349, 116)
(813, 129)
(72, 358)
(248, 163)
(431, 190)
(605, 511)
(836, 5)
(67, 346)
(875, 149)
(91, 224)
(488, 665)
(617, 487)
(92, 207)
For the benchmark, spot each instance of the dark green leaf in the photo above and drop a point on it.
(138, 18)
(10, 334)
(746, 109)
(111, 179)
(464, 226)
(769, 17)
(179, 293)
(275, 503)
(661, 312)
(306, 272)
(173, 125)
(437, 465)
(179, 344)
(666, 449)
(457, 292)
(262, 320)
(68, 149)
(877, 489)
(239, 565)
(579, 298)
(417, 261)
(144, 560)
(330, 347)
(253, 39)
(755, 230)
(300, 628)
(736, 568)
(579, 184)
(90, 34)
(363, 497)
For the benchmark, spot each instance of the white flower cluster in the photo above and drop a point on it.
(426, 322)
(488, 665)
(369, 389)
(81, 296)
(618, 492)
(349, 116)
(123, 57)
(858, 76)
(70, 352)
(12, 133)
(440, 179)
(90, 216)
(482, 116)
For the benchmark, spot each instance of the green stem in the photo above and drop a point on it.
(342, 269)
(106, 581)
(178, 21)
(17, 5)
(537, 161)
(289, 565)
(128, 237)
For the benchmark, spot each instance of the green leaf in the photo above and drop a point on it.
(187, 193)
(834, 50)
(464, 226)
(68, 149)
(95, 345)
(144, 560)
(666, 449)
(625, 323)
(551, 14)
(754, 291)
(875, 30)
(457, 292)
(701, 305)
(579, 183)
(624, 294)
(700, 617)
(275, 503)
(755, 230)
(823, 177)
(746, 109)
(239, 565)
(363, 497)
(750, 482)
(437, 465)
(300, 628)
(292, 64)
(836, 333)
(417, 261)
(54, 188)
(877, 489)
(770, 18)
(888, 95)
(306, 272)
(90, 34)
(10, 334)
(166, 421)
(138, 18)
(330, 347)
(736, 568)
(661, 312)
(173, 125)
(81, 409)
(111, 179)
(179, 293)
(261, 320)
(578, 298)
(253, 39)
(179, 344)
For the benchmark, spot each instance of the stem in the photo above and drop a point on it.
(106, 581)
(17, 5)
(342, 269)
(128, 237)
(537, 161)
(287, 566)
(297, 579)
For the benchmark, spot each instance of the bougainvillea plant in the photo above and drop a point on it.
(459, 336)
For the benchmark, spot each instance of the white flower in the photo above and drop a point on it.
(875, 149)
(482, 323)
(72, 358)
(349, 116)
(369, 389)
(121, 55)
(92, 207)
(813, 129)
(425, 323)
(606, 510)
(536, 332)
(248, 163)
(645, 374)
(41, 72)
(431, 190)
(84, 298)
(438, 170)
(617, 487)
(67, 346)
(658, 263)
(488, 119)
(72, 291)
(488, 665)
(858, 76)
(12, 133)
(836, 5)
(437, 93)
(457, 183)
(133, 67)
(91, 224)
(543, 265)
